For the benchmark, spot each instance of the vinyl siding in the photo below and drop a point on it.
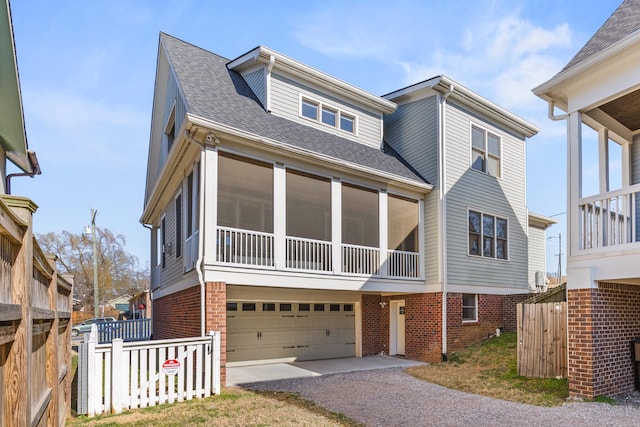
(285, 102)
(173, 95)
(257, 82)
(537, 254)
(503, 197)
(412, 130)
(174, 268)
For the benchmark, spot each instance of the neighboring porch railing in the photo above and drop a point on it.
(608, 219)
(191, 251)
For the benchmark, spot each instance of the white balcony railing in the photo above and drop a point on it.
(608, 219)
(308, 254)
(403, 264)
(244, 247)
(360, 260)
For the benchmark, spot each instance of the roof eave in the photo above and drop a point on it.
(541, 220)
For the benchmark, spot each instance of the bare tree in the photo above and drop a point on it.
(118, 271)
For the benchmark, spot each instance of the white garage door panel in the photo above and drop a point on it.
(315, 332)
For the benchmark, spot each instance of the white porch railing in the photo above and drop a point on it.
(244, 247)
(403, 264)
(191, 251)
(608, 219)
(360, 260)
(309, 254)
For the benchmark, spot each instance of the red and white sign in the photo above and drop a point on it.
(171, 367)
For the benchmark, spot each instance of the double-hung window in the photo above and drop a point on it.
(327, 115)
(488, 235)
(469, 307)
(485, 151)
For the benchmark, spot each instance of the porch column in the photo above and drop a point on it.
(626, 165)
(574, 181)
(603, 159)
(336, 224)
(383, 202)
(279, 215)
(209, 191)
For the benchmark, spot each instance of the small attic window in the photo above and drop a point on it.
(170, 128)
(327, 115)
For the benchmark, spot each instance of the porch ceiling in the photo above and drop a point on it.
(625, 110)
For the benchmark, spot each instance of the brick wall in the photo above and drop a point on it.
(510, 323)
(461, 335)
(602, 323)
(216, 319)
(177, 315)
(375, 333)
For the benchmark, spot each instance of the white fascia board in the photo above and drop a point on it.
(460, 93)
(263, 55)
(551, 89)
(541, 221)
(413, 185)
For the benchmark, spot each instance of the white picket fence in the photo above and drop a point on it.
(124, 375)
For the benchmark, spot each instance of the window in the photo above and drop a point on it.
(170, 128)
(318, 307)
(248, 306)
(163, 240)
(268, 306)
(232, 306)
(469, 308)
(179, 226)
(487, 235)
(193, 201)
(245, 193)
(285, 307)
(348, 307)
(334, 307)
(485, 151)
(328, 115)
(304, 307)
(360, 216)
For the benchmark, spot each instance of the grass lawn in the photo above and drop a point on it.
(490, 369)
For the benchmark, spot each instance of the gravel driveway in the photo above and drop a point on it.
(389, 397)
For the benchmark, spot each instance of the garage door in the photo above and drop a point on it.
(304, 331)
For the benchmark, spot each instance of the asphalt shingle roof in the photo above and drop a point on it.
(214, 92)
(624, 21)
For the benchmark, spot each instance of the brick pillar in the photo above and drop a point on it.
(216, 319)
(372, 328)
(423, 326)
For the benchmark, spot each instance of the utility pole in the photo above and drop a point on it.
(95, 262)
(559, 258)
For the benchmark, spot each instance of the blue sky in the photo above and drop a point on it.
(87, 70)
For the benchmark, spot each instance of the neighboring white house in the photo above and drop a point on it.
(599, 89)
(291, 211)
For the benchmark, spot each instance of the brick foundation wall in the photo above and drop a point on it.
(177, 315)
(601, 324)
(463, 334)
(510, 323)
(216, 319)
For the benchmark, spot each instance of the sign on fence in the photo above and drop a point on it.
(124, 375)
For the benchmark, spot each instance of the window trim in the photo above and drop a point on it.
(179, 223)
(481, 234)
(485, 151)
(170, 128)
(320, 107)
(475, 306)
(162, 262)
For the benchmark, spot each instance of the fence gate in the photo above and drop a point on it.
(542, 340)
(124, 375)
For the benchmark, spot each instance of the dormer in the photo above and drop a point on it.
(295, 91)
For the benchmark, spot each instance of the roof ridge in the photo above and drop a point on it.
(163, 34)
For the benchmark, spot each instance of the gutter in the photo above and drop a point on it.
(552, 116)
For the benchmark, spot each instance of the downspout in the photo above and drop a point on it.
(552, 116)
(272, 61)
(35, 166)
(443, 214)
(201, 224)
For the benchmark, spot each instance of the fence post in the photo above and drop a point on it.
(215, 360)
(93, 387)
(83, 374)
(118, 379)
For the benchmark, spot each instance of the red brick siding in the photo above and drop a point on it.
(177, 315)
(510, 323)
(375, 332)
(216, 319)
(601, 324)
(461, 335)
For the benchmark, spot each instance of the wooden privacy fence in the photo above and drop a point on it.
(35, 330)
(542, 340)
(124, 375)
